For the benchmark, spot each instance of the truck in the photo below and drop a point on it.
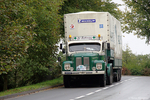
(93, 49)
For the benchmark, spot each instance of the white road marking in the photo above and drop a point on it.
(80, 97)
(90, 93)
(111, 86)
(103, 89)
(98, 90)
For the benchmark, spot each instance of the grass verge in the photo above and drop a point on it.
(32, 87)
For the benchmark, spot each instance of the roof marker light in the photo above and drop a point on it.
(69, 36)
(99, 36)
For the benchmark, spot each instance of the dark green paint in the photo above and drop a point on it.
(108, 53)
(109, 68)
(93, 59)
(102, 57)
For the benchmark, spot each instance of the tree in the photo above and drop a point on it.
(14, 35)
(29, 29)
(126, 55)
(137, 18)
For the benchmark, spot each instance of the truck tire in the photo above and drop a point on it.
(116, 78)
(66, 80)
(102, 81)
(119, 75)
(110, 78)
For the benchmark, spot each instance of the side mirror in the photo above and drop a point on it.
(59, 59)
(60, 46)
(63, 50)
(108, 46)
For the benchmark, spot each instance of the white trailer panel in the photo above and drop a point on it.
(92, 24)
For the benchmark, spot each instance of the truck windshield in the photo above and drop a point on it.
(84, 47)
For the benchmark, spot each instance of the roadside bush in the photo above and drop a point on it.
(135, 71)
(125, 71)
(146, 72)
(135, 64)
(55, 71)
(29, 72)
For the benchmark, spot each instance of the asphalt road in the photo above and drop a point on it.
(129, 88)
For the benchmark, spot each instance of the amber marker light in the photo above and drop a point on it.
(99, 36)
(69, 36)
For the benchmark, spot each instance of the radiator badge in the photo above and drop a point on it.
(80, 68)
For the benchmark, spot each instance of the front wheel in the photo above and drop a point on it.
(102, 81)
(66, 80)
(110, 78)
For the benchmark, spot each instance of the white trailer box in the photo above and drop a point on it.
(93, 23)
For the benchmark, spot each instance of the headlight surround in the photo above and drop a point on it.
(71, 68)
(99, 66)
(93, 68)
(67, 67)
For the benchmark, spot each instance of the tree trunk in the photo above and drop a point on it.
(5, 82)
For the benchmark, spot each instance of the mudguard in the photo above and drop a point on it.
(109, 69)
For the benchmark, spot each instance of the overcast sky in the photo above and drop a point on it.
(137, 45)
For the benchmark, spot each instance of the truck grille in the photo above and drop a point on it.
(78, 61)
(85, 62)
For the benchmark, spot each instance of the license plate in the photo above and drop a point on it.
(82, 72)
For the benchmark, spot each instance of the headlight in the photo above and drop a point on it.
(67, 67)
(98, 66)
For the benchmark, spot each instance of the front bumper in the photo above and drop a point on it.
(82, 72)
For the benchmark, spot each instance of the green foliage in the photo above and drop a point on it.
(14, 34)
(136, 18)
(135, 64)
(32, 72)
(43, 48)
(57, 70)
(71, 6)
(29, 31)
